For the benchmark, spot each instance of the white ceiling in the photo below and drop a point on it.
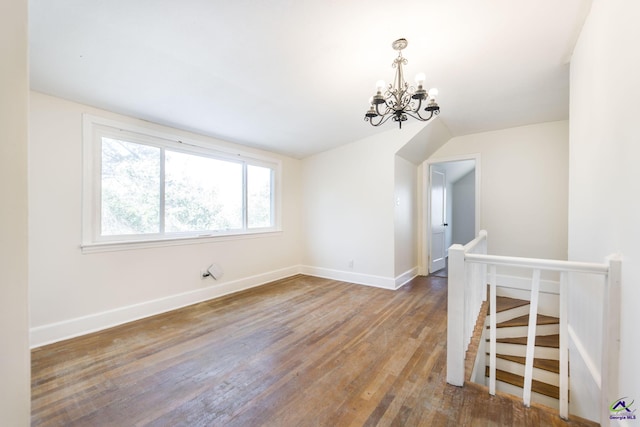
(295, 76)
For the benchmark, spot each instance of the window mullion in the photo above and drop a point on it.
(162, 191)
(273, 199)
(245, 197)
(97, 189)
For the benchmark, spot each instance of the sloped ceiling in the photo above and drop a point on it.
(295, 76)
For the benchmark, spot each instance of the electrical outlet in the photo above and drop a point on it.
(351, 264)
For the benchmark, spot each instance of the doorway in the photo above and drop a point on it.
(452, 187)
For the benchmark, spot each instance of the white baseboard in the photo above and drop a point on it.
(405, 277)
(54, 332)
(350, 276)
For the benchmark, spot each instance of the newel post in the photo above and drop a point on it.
(611, 337)
(456, 316)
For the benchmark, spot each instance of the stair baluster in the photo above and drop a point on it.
(492, 330)
(531, 337)
(564, 346)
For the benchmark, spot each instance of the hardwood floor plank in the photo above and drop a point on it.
(302, 351)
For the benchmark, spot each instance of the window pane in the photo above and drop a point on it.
(259, 196)
(201, 193)
(130, 188)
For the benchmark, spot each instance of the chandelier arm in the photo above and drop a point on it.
(416, 115)
(424, 118)
(432, 113)
(378, 109)
(417, 109)
(383, 120)
(386, 118)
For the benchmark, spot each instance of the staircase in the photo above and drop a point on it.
(512, 317)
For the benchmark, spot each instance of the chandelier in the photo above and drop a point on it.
(401, 100)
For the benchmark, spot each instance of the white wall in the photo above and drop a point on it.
(406, 218)
(349, 209)
(72, 293)
(463, 209)
(524, 185)
(15, 366)
(604, 181)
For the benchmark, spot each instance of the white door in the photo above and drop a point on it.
(438, 220)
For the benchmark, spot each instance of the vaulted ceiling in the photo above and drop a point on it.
(295, 76)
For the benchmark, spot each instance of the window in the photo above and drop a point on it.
(141, 186)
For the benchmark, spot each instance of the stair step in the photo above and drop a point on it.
(506, 303)
(520, 351)
(545, 364)
(508, 308)
(518, 381)
(541, 375)
(550, 341)
(524, 321)
(516, 391)
(521, 331)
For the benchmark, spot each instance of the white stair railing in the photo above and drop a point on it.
(463, 294)
(464, 302)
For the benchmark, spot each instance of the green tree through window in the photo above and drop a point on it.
(130, 188)
(202, 193)
(149, 189)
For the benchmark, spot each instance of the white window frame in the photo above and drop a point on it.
(95, 127)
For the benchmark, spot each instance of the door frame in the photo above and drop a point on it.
(425, 218)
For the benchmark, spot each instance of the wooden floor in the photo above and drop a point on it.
(303, 351)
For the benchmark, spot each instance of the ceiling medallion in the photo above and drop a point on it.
(400, 100)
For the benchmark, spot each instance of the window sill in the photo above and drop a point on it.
(90, 248)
